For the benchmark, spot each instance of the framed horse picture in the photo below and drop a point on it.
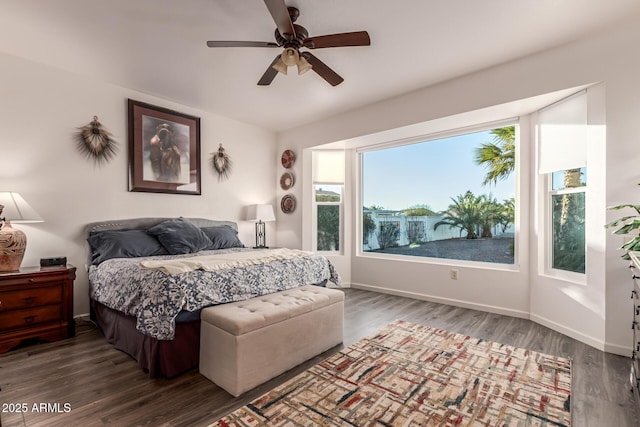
(164, 150)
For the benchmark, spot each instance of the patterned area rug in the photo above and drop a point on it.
(412, 375)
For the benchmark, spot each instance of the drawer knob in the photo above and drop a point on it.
(29, 319)
(29, 300)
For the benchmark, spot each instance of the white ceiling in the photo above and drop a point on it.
(158, 46)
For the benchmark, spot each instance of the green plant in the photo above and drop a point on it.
(368, 226)
(628, 225)
(463, 213)
(388, 235)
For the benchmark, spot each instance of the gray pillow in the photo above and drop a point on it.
(222, 237)
(180, 237)
(123, 244)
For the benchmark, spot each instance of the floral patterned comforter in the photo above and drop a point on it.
(156, 298)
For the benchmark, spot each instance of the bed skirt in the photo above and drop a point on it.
(159, 358)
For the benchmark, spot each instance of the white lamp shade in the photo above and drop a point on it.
(262, 213)
(16, 209)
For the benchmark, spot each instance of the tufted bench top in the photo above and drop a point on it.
(238, 318)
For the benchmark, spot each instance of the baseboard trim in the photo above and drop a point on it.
(577, 335)
(618, 349)
(342, 285)
(448, 301)
(584, 338)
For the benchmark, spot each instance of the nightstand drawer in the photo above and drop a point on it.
(17, 319)
(15, 279)
(36, 303)
(25, 298)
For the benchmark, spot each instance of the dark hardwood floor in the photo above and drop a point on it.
(101, 385)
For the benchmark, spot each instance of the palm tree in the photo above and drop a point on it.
(507, 214)
(568, 225)
(571, 180)
(464, 214)
(499, 156)
(489, 210)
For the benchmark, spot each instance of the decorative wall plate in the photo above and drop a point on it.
(286, 181)
(288, 203)
(288, 158)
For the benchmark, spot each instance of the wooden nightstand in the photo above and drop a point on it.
(36, 302)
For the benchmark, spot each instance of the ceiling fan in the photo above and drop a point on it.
(292, 37)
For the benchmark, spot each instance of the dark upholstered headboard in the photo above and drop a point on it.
(144, 223)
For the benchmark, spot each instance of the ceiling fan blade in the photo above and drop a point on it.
(322, 69)
(270, 74)
(356, 38)
(280, 15)
(240, 44)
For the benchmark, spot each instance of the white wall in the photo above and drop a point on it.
(605, 57)
(41, 109)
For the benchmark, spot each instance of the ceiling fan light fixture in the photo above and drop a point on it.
(303, 66)
(291, 38)
(280, 66)
(290, 56)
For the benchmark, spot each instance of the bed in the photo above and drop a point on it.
(149, 278)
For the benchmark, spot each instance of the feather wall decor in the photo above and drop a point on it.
(221, 162)
(95, 142)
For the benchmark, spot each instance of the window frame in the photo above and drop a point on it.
(315, 205)
(453, 132)
(549, 270)
(545, 249)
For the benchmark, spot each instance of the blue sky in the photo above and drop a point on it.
(428, 173)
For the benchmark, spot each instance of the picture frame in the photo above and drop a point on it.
(164, 150)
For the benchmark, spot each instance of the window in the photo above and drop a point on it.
(328, 188)
(568, 220)
(563, 153)
(450, 197)
(328, 207)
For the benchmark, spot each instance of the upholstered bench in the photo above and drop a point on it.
(244, 344)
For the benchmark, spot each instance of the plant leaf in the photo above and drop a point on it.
(625, 229)
(618, 207)
(623, 220)
(632, 245)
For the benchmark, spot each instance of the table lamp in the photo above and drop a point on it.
(13, 243)
(260, 214)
